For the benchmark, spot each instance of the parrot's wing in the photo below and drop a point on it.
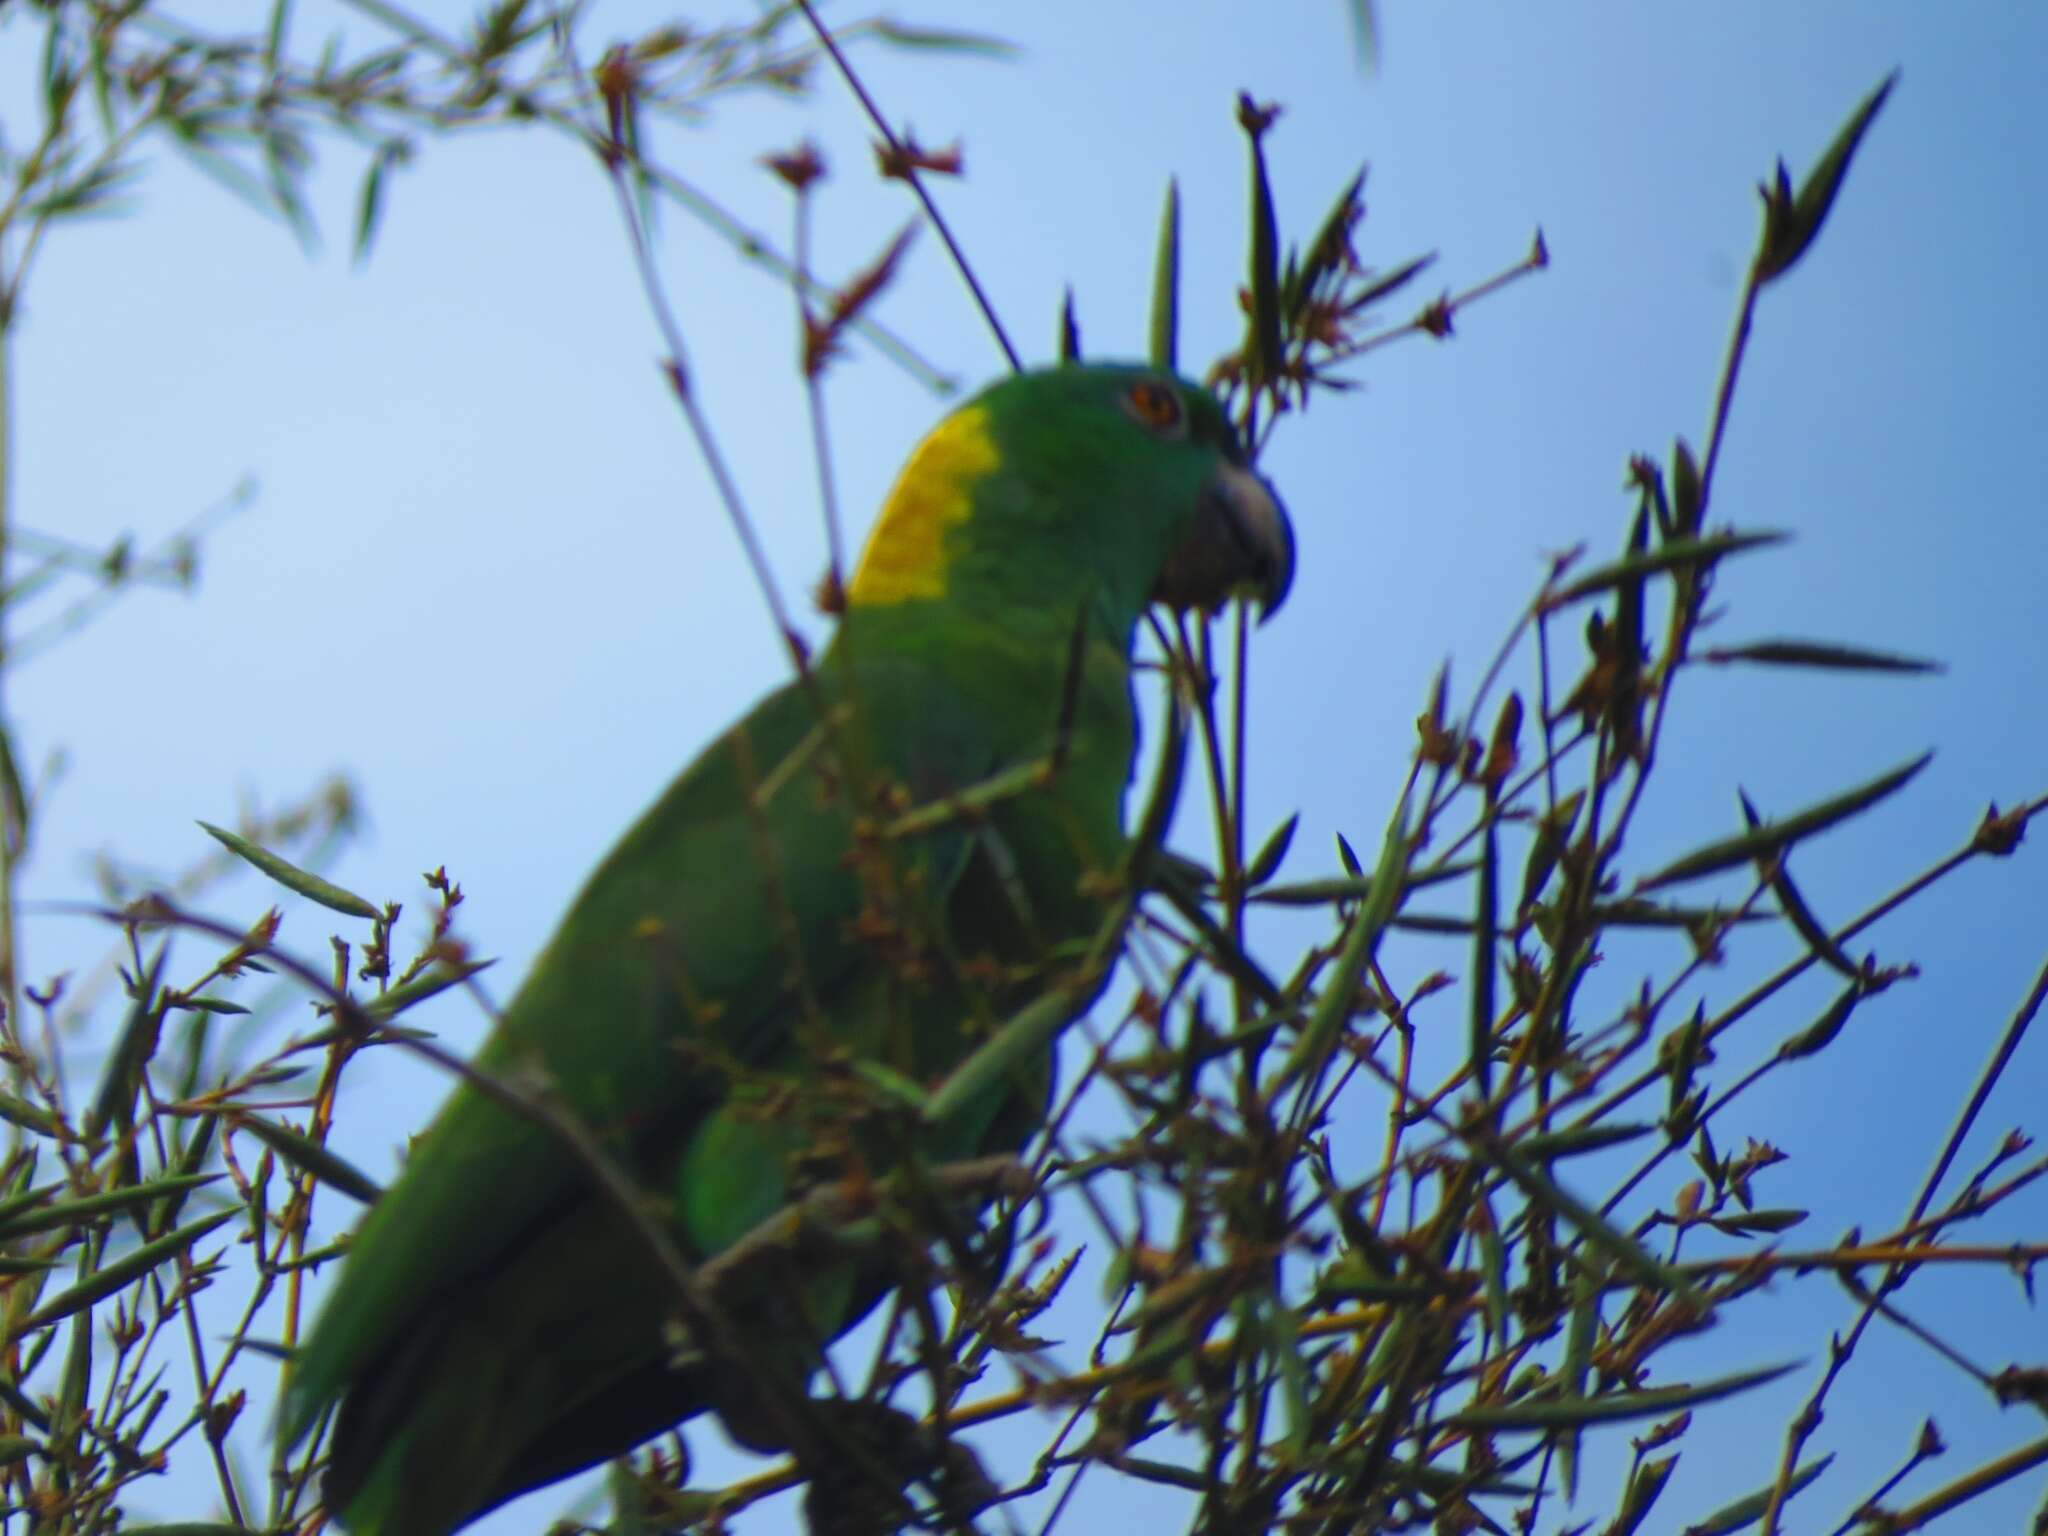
(726, 915)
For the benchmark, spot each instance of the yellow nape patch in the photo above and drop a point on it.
(905, 556)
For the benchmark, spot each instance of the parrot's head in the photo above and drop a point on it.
(1117, 484)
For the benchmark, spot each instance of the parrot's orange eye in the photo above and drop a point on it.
(1155, 405)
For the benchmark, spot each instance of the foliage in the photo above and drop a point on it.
(1303, 1331)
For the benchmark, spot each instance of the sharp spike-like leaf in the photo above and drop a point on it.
(293, 878)
(1166, 285)
(1777, 835)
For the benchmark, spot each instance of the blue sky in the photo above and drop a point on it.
(484, 576)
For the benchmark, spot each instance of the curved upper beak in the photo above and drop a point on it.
(1241, 540)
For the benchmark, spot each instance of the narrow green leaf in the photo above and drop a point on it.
(1748, 1510)
(1545, 1146)
(1166, 285)
(1365, 32)
(1283, 1336)
(309, 1156)
(114, 1104)
(1553, 833)
(1582, 1327)
(26, 1200)
(1773, 837)
(1263, 354)
(1022, 1038)
(891, 1084)
(393, 1001)
(1789, 232)
(1322, 893)
(1329, 252)
(15, 1448)
(1070, 330)
(899, 34)
(370, 205)
(1333, 1007)
(1634, 912)
(293, 878)
(1485, 959)
(1679, 552)
(31, 1117)
(1147, 1470)
(124, 1271)
(1779, 873)
(1598, 1232)
(1687, 512)
(1267, 862)
(66, 1213)
(1644, 1485)
(198, 1146)
(1493, 1257)
(1818, 1035)
(217, 1005)
(13, 798)
(1388, 283)
(1751, 1223)
(274, 34)
(1820, 654)
(1616, 1407)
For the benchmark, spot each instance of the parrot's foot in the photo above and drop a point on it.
(882, 1451)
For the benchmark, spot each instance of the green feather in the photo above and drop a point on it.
(497, 1323)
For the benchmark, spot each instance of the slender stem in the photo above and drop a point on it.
(900, 159)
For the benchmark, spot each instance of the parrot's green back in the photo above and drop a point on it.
(497, 1323)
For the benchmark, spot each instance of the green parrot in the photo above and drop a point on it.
(808, 896)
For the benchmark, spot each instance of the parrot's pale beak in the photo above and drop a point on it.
(1241, 540)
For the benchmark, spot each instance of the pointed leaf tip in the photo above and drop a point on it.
(1792, 221)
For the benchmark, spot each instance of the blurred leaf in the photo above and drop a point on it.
(213, 1005)
(1328, 253)
(1750, 1223)
(370, 202)
(310, 1156)
(1687, 511)
(1645, 1483)
(1814, 653)
(16, 1110)
(1544, 1146)
(1485, 955)
(1339, 996)
(114, 1104)
(1818, 1035)
(293, 878)
(124, 1271)
(393, 1001)
(1775, 836)
(1166, 285)
(1779, 873)
(1790, 227)
(1565, 1412)
(1678, 553)
(1388, 282)
(1263, 351)
(88, 1208)
(1750, 1509)
(1267, 861)
(1365, 32)
(1598, 1232)
(899, 34)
